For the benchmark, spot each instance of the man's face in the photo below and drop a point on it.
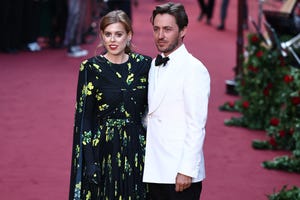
(166, 33)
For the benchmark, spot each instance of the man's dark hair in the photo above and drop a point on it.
(175, 9)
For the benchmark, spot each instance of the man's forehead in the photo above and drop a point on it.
(164, 20)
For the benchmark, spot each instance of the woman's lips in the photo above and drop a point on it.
(113, 47)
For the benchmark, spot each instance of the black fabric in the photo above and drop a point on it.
(109, 138)
(167, 192)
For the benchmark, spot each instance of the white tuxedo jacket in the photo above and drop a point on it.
(178, 101)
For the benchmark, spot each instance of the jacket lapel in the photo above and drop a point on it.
(157, 94)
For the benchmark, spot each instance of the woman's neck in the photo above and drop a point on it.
(116, 59)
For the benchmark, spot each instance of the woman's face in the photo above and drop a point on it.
(115, 38)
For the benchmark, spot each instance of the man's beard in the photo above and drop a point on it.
(170, 48)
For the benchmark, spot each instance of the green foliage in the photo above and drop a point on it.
(229, 106)
(286, 163)
(258, 144)
(286, 194)
(269, 90)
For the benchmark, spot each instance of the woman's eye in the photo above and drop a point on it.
(119, 34)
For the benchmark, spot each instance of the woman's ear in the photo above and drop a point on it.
(129, 36)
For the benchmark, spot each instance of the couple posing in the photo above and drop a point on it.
(114, 156)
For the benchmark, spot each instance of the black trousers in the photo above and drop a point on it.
(207, 8)
(167, 192)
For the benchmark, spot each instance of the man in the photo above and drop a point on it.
(178, 99)
(124, 5)
(206, 9)
(223, 15)
(75, 27)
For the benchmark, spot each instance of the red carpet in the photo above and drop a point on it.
(37, 106)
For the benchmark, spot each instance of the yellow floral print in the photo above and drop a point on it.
(129, 66)
(118, 75)
(103, 107)
(87, 89)
(110, 127)
(127, 114)
(143, 80)
(88, 195)
(130, 78)
(99, 96)
(82, 65)
(97, 67)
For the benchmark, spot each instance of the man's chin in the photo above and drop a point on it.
(160, 48)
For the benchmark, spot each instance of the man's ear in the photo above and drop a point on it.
(183, 32)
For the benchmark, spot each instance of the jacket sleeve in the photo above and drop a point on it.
(196, 96)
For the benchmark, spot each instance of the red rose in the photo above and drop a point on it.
(288, 78)
(292, 130)
(252, 68)
(246, 104)
(272, 142)
(270, 85)
(281, 133)
(259, 54)
(231, 104)
(282, 62)
(266, 92)
(274, 121)
(295, 100)
(254, 39)
(243, 83)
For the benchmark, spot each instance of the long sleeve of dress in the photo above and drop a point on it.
(87, 104)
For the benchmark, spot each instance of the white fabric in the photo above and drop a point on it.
(178, 101)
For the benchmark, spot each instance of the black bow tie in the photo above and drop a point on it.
(160, 60)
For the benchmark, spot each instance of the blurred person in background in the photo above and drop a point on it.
(206, 9)
(223, 15)
(125, 5)
(75, 28)
(11, 19)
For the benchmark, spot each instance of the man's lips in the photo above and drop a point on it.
(161, 43)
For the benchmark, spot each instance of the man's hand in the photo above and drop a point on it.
(182, 182)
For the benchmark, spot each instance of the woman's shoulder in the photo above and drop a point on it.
(138, 57)
(97, 60)
(93, 63)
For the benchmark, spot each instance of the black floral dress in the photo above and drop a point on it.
(109, 138)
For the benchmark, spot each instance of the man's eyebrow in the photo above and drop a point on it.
(163, 27)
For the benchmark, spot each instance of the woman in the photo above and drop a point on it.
(109, 138)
